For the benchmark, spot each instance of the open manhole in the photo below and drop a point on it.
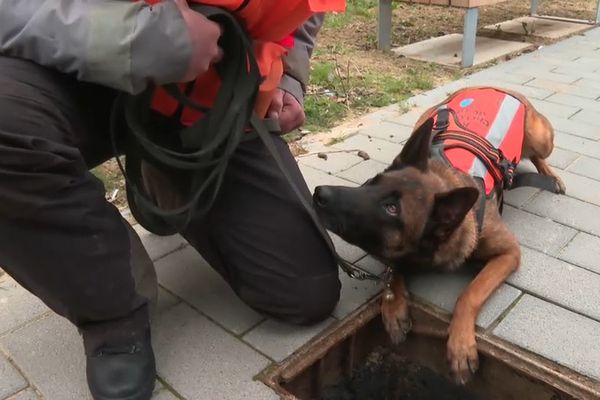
(354, 360)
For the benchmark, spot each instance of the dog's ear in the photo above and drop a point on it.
(450, 209)
(416, 150)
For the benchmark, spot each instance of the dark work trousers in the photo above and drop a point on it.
(62, 240)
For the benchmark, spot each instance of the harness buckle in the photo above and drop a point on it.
(507, 169)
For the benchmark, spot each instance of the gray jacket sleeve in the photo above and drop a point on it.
(297, 61)
(116, 43)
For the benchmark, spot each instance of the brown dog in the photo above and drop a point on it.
(422, 213)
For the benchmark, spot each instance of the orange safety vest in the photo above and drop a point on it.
(483, 135)
(271, 24)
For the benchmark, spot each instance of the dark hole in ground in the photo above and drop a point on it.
(387, 375)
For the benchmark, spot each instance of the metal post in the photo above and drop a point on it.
(469, 36)
(384, 33)
(597, 12)
(534, 7)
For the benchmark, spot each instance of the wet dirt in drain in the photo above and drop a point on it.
(387, 375)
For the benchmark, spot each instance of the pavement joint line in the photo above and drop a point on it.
(17, 367)
(559, 258)
(178, 248)
(577, 228)
(565, 261)
(503, 314)
(574, 114)
(26, 323)
(556, 304)
(252, 327)
(170, 388)
(228, 331)
(566, 169)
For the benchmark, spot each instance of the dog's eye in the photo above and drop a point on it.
(391, 208)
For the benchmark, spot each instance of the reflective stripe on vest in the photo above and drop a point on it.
(492, 114)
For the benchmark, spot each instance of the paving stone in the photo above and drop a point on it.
(539, 233)
(389, 131)
(587, 116)
(558, 281)
(575, 128)
(347, 251)
(382, 114)
(577, 144)
(186, 274)
(410, 118)
(354, 294)
(555, 333)
(200, 360)
(532, 93)
(573, 101)
(581, 187)
(588, 82)
(586, 166)
(520, 196)
(443, 289)
(165, 300)
(164, 394)
(278, 340)
(314, 178)
(11, 380)
(364, 171)
(562, 158)
(544, 74)
(377, 149)
(583, 250)
(17, 305)
(500, 78)
(573, 89)
(566, 210)
(553, 109)
(334, 163)
(159, 246)
(50, 344)
(574, 71)
(28, 394)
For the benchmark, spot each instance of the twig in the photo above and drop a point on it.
(327, 152)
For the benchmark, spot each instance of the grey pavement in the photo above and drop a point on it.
(210, 345)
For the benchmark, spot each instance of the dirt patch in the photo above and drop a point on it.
(387, 375)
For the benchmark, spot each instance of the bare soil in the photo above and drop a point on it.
(387, 375)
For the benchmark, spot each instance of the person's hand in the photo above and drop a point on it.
(287, 110)
(204, 35)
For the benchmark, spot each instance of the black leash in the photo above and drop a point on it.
(202, 151)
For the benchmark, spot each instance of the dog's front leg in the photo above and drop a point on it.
(394, 309)
(462, 347)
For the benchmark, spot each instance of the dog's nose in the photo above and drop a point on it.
(322, 195)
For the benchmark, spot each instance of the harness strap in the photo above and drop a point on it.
(534, 179)
(202, 151)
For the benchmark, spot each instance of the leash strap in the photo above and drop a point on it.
(202, 151)
(348, 268)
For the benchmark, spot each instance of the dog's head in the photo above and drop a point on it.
(401, 212)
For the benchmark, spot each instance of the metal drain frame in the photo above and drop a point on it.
(431, 322)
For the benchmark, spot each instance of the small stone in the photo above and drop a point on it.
(322, 155)
(363, 154)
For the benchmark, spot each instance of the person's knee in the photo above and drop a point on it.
(316, 299)
(298, 301)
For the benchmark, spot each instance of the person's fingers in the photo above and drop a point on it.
(276, 105)
(292, 114)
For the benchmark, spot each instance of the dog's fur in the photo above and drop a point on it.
(421, 214)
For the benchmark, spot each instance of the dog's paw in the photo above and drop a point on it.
(560, 186)
(462, 356)
(396, 320)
